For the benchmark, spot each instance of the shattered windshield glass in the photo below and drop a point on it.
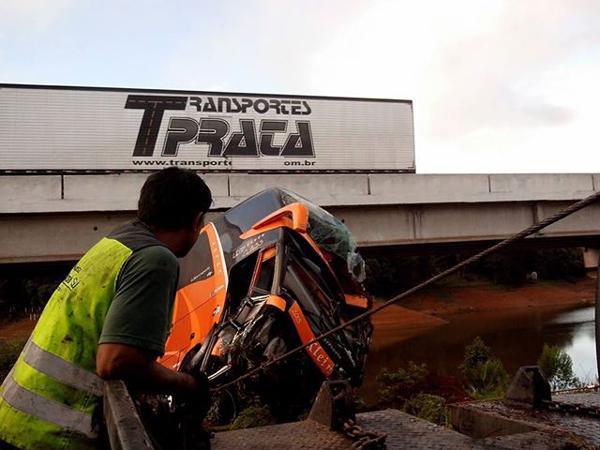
(331, 234)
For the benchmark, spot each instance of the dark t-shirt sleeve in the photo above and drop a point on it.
(140, 313)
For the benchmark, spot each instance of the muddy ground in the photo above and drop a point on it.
(437, 305)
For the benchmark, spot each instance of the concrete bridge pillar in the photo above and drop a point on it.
(590, 257)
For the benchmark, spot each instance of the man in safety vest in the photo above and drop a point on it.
(108, 319)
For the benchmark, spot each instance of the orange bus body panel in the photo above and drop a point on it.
(314, 350)
(198, 306)
(357, 300)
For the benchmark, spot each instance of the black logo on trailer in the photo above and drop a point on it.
(251, 140)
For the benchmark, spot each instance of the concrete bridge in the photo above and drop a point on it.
(58, 216)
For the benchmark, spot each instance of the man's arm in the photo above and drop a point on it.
(137, 324)
(119, 361)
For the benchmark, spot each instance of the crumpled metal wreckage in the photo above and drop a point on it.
(270, 274)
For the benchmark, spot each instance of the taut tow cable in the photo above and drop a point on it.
(499, 246)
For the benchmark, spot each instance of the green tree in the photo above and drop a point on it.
(483, 374)
(557, 366)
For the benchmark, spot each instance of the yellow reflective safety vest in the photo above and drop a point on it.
(51, 397)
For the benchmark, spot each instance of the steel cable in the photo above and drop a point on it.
(499, 246)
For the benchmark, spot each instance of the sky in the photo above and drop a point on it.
(498, 86)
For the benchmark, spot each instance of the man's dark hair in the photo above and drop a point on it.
(171, 198)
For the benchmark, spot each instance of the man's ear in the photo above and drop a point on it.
(199, 221)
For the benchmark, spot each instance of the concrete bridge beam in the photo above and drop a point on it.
(57, 217)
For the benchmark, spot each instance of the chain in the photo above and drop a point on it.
(574, 409)
(574, 207)
(363, 439)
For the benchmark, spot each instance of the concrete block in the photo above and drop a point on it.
(53, 237)
(321, 188)
(115, 187)
(384, 225)
(534, 440)
(470, 420)
(121, 191)
(19, 189)
(585, 221)
(411, 188)
(471, 222)
(542, 186)
(591, 256)
(596, 181)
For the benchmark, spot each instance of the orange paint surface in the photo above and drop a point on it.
(356, 300)
(277, 302)
(198, 306)
(314, 350)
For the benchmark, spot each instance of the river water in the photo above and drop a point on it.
(515, 336)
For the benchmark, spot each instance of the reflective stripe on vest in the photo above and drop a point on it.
(49, 410)
(52, 400)
(61, 370)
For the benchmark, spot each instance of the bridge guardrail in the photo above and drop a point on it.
(124, 426)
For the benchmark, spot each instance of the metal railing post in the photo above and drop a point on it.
(123, 424)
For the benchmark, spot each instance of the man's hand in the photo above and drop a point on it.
(197, 403)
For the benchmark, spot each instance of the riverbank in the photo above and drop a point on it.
(433, 327)
(439, 305)
(17, 330)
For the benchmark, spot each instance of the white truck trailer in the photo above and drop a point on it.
(93, 129)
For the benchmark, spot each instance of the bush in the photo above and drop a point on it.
(9, 352)
(512, 267)
(387, 275)
(560, 263)
(557, 366)
(429, 407)
(506, 268)
(399, 386)
(254, 416)
(414, 390)
(484, 374)
(24, 290)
